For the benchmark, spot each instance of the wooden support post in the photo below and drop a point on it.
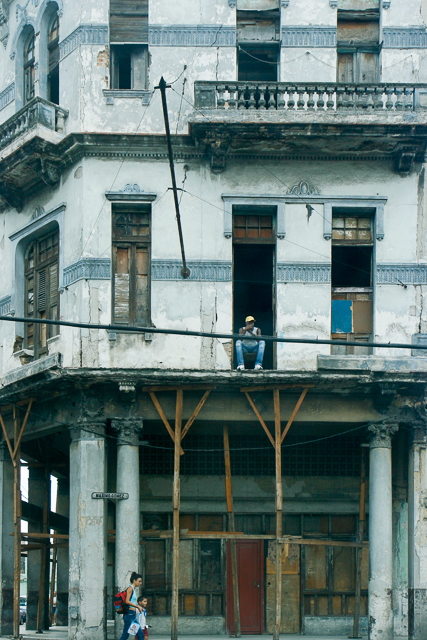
(43, 554)
(279, 507)
(176, 505)
(17, 522)
(232, 528)
(359, 550)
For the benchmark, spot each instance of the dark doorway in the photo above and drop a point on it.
(253, 291)
(250, 571)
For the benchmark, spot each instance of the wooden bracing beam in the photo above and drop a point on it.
(176, 506)
(195, 413)
(163, 417)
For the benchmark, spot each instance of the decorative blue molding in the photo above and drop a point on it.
(405, 38)
(87, 269)
(7, 96)
(6, 306)
(84, 34)
(309, 36)
(308, 272)
(201, 271)
(401, 274)
(184, 35)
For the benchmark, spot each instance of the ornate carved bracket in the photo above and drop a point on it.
(217, 150)
(284, 3)
(128, 430)
(404, 159)
(232, 3)
(381, 434)
(50, 172)
(333, 3)
(386, 4)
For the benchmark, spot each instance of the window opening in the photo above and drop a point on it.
(131, 266)
(358, 38)
(258, 39)
(352, 280)
(53, 59)
(128, 44)
(254, 239)
(29, 68)
(41, 291)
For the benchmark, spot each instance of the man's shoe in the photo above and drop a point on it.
(240, 367)
(258, 367)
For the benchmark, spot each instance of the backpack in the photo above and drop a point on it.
(119, 602)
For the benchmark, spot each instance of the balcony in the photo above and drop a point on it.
(372, 121)
(27, 156)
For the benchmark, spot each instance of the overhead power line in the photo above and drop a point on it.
(206, 334)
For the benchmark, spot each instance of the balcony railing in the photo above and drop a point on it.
(35, 112)
(320, 97)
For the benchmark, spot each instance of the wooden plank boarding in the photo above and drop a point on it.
(176, 501)
(279, 507)
(231, 526)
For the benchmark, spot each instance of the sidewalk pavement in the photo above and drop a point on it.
(61, 633)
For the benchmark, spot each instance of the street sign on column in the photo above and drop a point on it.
(97, 495)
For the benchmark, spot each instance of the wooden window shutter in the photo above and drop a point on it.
(129, 21)
(42, 290)
(122, 285)
(142, 289)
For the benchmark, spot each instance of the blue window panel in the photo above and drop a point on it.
(342, 316)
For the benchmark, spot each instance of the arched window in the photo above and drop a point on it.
(41, 290)
(53, 59)
(29, 67)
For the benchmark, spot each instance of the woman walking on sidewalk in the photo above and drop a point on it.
(133, 607)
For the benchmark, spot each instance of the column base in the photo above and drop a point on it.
(417, 614)
(380, 623)
(62, 609)
(6, 623)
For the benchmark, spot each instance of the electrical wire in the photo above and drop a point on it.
(206, 334)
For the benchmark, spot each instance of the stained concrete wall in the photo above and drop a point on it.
(302, 308)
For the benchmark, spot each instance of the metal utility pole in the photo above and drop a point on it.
(185, 271)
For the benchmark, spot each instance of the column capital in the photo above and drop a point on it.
(82, 430)
(128, 430)
(381, 434)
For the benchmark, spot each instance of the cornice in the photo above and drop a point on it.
(87, 34)
(6, 306)
(404, 38)
(401, 274)
(190, 35)
(304, 272)
(87, 269)
(293, 36)
(7, 96)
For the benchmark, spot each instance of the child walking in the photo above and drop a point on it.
(142, 618)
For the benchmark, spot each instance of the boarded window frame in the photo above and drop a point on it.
(133, 244)
(41, 273)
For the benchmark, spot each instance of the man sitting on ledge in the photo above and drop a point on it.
(249, 344)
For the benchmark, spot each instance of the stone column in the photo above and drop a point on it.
(127, 511)
(88, 534)
(63, 508)
(38, 490)
(6, 542)
(380, 533)
(417, 533)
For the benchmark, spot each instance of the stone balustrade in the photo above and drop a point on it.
(36, 112)
(281, 96)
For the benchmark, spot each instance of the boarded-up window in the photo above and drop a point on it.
(131, 266)
(358, 37)
(41, 290)
(129, 21)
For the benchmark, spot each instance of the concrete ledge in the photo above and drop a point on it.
(190, 625)
(396, 364)
(333, 625)
(32, 369)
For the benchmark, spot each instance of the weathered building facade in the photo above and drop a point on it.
(299, 138)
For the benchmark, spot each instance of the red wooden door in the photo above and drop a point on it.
(250, 569)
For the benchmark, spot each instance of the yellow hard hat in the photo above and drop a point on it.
(250, 319)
